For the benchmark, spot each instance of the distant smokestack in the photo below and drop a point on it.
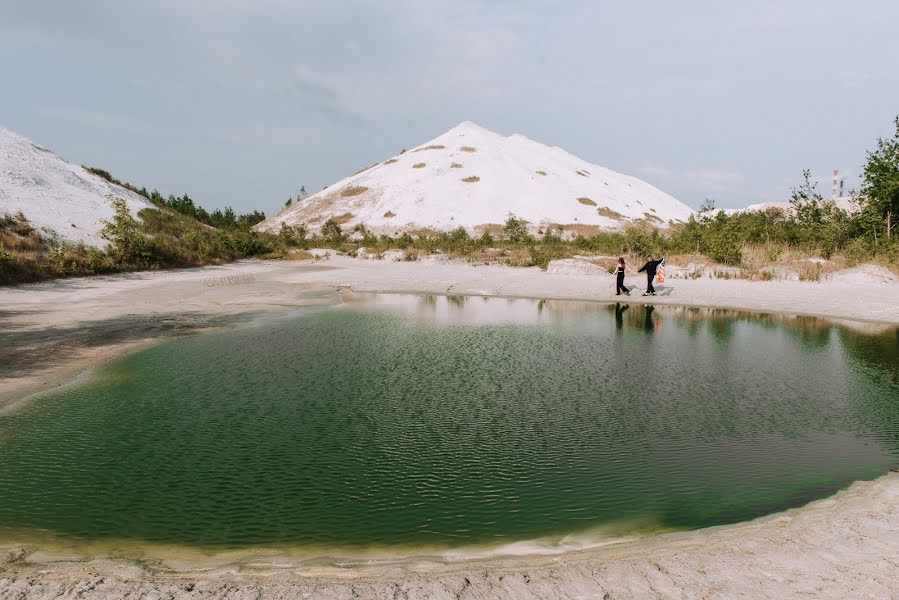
(836, 191)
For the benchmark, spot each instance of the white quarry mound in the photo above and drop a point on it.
(61, 199)
(845, 203)
(863, 274)
(573, 266)
(470, 176)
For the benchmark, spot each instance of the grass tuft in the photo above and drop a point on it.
(389, 214)
(353, 190)
(433, 147)
(586, 201)
(455, 166)
(541, 173)
(418, 166)
(472, 179)
(391, 161)
(468, 149)
(604, 211)
(344, 218)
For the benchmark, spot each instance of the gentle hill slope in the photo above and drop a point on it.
(470, 176)
(61, 199)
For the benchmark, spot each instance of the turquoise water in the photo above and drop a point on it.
(397, 421)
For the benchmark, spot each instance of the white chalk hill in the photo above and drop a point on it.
(61, 199)
(470, 176)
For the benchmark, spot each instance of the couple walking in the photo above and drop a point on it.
(650, 268)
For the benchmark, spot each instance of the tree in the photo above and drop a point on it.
(516, 230)
(707, 206)
(880, 184)
(286, 235)
(818, 221)
(724, 240)
(331, 231)
(127, 243)
(289, 202)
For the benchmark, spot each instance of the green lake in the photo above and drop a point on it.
(402, 421)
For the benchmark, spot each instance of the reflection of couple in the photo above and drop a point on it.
(648, 324)
(650, 268)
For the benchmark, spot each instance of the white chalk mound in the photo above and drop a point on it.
(573, 266)
(61, 199)
(470, 176)
(863, 274)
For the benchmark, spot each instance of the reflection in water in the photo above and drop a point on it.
(648, 325)
(619, 315)
(402, 420)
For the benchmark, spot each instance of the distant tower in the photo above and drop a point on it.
(837, 190)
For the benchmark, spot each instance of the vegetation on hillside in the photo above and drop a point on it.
(176, 233)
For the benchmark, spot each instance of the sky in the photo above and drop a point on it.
(241, 103)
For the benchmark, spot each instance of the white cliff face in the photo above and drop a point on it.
(470, 176)
(59, 198)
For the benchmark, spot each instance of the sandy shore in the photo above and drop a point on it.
(841, 547)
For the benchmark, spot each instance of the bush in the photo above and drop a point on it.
(127, 243)
(857, 251)
(331, 232)
(516, 230)
(892, 252)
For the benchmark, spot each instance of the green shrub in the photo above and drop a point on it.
(97, 260)
(127, 243)
(516, 230)
(331, 232)
(858, 250)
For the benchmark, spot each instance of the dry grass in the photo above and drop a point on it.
(583, 173)
(389, 214)
(434, 147)
(495, 229)
(586, 201)
(756, 256)
(391, 161)
(652, 218)
(605, 211)
(418, 166)
(423, 232)
(468, 149)
(353, 190)
(541, 173)
(344, 218)
(581, 229)
(299, 254)
(472, 179)
(455, 166)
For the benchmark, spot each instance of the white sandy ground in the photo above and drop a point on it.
(842, 547)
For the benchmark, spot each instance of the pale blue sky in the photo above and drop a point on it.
(240, 103)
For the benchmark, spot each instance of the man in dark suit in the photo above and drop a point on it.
(650, 268)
